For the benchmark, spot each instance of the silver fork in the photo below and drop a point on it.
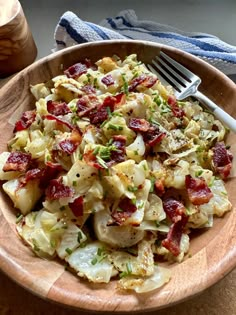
(185, 84)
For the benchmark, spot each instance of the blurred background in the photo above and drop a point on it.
(215, 17)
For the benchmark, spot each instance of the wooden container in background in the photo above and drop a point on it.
(17, 46)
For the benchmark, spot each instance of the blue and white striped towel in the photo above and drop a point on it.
(71, 30)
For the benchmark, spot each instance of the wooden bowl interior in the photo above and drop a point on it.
(213, 251)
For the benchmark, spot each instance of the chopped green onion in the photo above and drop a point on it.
(19, 217)
(95, 83)
(152, 179)
(108, 111)
(104, 123)
(198, 173)
(96, 150)
(101, 162)
(211, 181)
(224, 193)
(128, 272)
(125, 86)
(53, 243)
(114, 127)
(94, 261)
(68, 250)
(132, 188)
(80, 236)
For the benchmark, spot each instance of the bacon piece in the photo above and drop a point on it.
(136, 81)
(119, 142)
(17, 161)
(77, 207)
(54, 166)
(151, 133)
(139, 124)
(88, 89)
(149, 81)
(108, 80)
(222, 160)
(91, 160)
(172, 242)
(153, 136)
(25, 121)
(124, 211)
(59, 121)
(35, 173)
(51, 171)
(100, 114)
(197, 189)
(120, 99)
(159, 187)
(86, 104)
(57, 190)
(57, 108)
(70, 145)
(76, 70)
(174, 209)
(176, 110)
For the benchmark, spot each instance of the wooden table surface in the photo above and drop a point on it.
(218, 299)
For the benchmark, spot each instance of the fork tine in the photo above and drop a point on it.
(178, 66)
(170, 78)
(182, 80)
(160, 77)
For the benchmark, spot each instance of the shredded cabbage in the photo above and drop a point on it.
(109, 147)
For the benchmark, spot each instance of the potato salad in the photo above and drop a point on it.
(111, 173)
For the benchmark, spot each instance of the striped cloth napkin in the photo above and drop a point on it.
(71, 30)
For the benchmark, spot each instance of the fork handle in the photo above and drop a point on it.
(218, 112)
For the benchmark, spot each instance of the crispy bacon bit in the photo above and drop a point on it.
(51, 171)
(151, 133)
(159, 187)
(176, 110)
(149, 81)
(76, 70)
(67, 146)
(119, 142)
(57, 190)
(17, 161)
(153, 136)
(77, 207)
(222, 160)
(124, 211)
(108, 80)
(91, 160)
(54, 166)
(172, 242)
(25, 121)
(35, 173)
(174, 209)
(88, 89)
(197, 189)
(120, 99)
(139, 124)
(70, 145)
(136, 81)
(57, 108)
(86, 104)
(100, 114)
(59, 121)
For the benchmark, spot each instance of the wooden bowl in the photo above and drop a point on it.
(213, 251)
